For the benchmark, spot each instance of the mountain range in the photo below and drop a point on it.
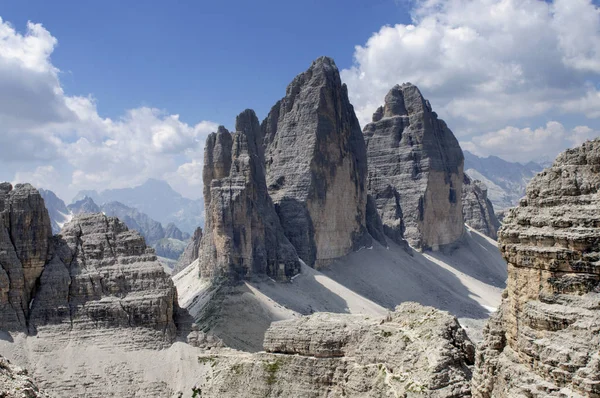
(506, 181)
(158, 200)
(333, 262)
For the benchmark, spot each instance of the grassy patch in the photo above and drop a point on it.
(271, 369)
(210, 360)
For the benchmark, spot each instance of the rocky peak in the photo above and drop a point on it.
(316, 165)
(544, 340)
(85, 205)
(414, 154)
(243, 236)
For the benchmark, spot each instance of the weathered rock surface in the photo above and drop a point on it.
(415, 170)
(478, 211)
(16, 383)
(316, 166)
(242, 234)
(545, 339)
(25, 234)
(415, 350)
(191, 252)
(102, 277)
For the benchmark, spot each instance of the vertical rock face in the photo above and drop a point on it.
(545, 339)
(416, 170)
(316, 167)
(478, 211)
(25, 232)
(243, 235)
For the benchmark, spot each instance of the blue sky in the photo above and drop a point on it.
(97, 95)
(205, 60)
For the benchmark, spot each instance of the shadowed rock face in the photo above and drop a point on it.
(316, 165)
(243, 235)
(25, 233)
(191, 252)
(545, 339)
(415, 170)
(478, 211)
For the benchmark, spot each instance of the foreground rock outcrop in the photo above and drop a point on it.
(316, 165)
(478, 211)
(16, 383)
(545, 339)
(415, 171)
(414, 350)
(242, 235)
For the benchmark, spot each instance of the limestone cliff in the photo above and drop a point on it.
(93, 278)
(415, 170)
(316, 165)
(478, 210)
(545, 339)
(25, 234)
(242, 234)
(191, 252)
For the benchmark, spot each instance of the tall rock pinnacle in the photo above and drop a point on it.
(415, 171)
(243, 235)
(316, 165)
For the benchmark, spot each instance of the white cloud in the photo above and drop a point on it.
(526, 144)
(484, 64)
(41, 126)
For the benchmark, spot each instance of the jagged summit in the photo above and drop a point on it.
(316, 165)
(243, 236)
(415, 170)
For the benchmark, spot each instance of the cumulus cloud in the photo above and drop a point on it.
(485, 64)
(526, 144)
(41, 126)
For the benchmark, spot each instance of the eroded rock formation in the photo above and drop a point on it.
(545, 339)
(94, 277)
(478, 211)
(16, 383)
(414, 350)
(25, 234)
(243, 235)
(415, 171)
(316, 165)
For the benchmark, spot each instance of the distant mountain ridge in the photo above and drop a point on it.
(168, 241)
(158, 200)
(506, 181)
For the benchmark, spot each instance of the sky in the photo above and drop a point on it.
(97, 95)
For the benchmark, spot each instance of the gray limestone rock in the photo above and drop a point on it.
(16, 383)
(150, 229)
(545, 339)
(171, 231)
(316, 166)
(478, 211)
(415, 170)
(191, 252)
(102, 277)
(25, 233)
(242, 233)
(414, 351)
